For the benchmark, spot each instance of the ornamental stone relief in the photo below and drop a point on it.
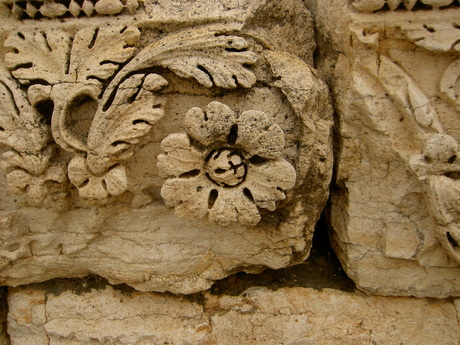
(234, 167)
(160, 157)
(395, 215)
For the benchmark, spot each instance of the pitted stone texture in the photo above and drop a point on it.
(258, 316)
(395, 210)
(239, 171)
(85, 104)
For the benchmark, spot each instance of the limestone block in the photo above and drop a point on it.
(395, 208)
(156, 143)
(258, 316)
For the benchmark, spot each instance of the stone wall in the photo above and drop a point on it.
(165, 165)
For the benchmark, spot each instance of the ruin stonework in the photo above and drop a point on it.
(159, 155)
(394, 211)
(154, 152)
(259, 316)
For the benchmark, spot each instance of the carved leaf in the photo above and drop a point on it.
(38, 55)
(444, 37)
(97, 53)
(450, 84)
(52, 55)
(403, 89)
(210, 56)
(130, 116)
(97, 188)
(36, 187)
(20, 125)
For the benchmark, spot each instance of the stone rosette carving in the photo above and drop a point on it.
(226, 167)
(85, 110)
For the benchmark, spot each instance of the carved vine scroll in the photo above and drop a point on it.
(64, 71)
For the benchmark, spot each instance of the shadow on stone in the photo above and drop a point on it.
(321, 270)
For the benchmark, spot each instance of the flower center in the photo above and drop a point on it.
(226, 167)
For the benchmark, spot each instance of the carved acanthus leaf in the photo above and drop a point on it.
(38, 55)
(442, 37)
(55, 57)
(20, 125)
(132, 113)
(403, 89)
(210, 56)
(97, 53)
(450, 84)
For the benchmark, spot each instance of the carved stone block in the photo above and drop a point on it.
(158, 143)
(395, 208)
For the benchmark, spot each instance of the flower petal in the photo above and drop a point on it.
(212, 125)
(268, 181)
(248, 213)
(189, 196)
(78, 173)
(257, 136)
(231, 206)
(180, 158)
(116, 180)
(224, 212)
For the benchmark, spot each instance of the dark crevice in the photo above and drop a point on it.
(233, 135)
(321, 270)
(257, 160)
(45, 108)
(247, 193)
(455, 175)
(93, 40)
(46, 41)
(204, 70)
(23, 65)
(4, 337)
(191, 173)
(452, 240)
(118, 142)
(212, 198)
(138, 122)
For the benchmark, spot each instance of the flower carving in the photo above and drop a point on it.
(226, 167)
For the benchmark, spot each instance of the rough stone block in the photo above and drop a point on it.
(393, 67)
(258, 316)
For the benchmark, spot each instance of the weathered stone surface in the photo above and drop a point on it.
(395, 206)
(259, 316)
(91, 94)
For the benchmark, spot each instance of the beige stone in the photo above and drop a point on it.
(258, 316)
(113, 164)
(395, 208)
